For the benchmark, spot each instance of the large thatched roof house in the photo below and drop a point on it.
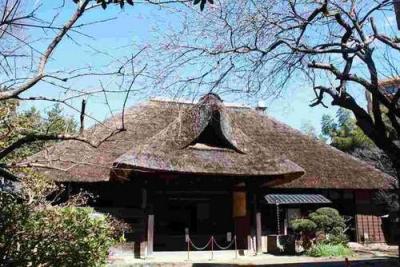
(210, 167)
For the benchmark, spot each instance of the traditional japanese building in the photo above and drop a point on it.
(214, 169)
(389, 88)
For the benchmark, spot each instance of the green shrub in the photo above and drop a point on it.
(13, 215)
(330, 222)
(45, 235)
(327, 219)
(303, 225)
(306, 228)
(329, 250)
(324, 226)
(337, 236)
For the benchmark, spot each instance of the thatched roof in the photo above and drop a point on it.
(390, 82)
(205, 139)
(175, 137)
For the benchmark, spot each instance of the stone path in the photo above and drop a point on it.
(377, 249)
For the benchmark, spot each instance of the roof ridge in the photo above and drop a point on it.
(192, 103)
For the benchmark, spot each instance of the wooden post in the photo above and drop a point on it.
(212, 247)
(236, 252)
(150, 234)
(285, 224)
(258, 232)
(188, 249)
(256, 223)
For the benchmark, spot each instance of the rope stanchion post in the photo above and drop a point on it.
(236, 253)
(188, 249)
(212, 247)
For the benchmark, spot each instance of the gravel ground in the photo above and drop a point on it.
(379, 255)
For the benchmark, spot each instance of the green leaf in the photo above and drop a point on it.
(195, 2)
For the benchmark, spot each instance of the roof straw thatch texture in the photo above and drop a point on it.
(162, 135)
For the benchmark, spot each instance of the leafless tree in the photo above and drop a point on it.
(28, 41)
(338, 48)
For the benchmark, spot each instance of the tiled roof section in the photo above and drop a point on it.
(282, 199)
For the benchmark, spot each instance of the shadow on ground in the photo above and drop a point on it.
(382, 262)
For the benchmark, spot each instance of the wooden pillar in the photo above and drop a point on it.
(258, 232)
(141, 236)
(150, 234)
(148, 207)
(257, 227)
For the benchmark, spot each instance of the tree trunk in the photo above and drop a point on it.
(397, 167)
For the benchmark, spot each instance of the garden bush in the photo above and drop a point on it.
(54, 236)
(303, 225)
(13, 215)
(327, 219)
(330, 222)
(329, 250)
(37, 233)
(306, 228)
(325, 226)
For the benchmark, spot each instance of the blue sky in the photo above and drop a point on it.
(119, 37)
